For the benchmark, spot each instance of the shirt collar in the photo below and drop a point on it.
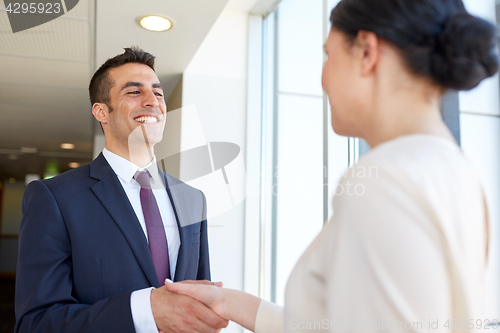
(126, 169)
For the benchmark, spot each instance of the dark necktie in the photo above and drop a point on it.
(154, 225)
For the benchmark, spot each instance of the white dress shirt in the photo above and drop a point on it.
(405, 250)
(140, 301)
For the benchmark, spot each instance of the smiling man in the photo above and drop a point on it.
(97, 243)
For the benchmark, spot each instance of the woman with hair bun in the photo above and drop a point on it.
(408, 251)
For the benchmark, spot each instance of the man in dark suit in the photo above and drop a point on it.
(96, 243)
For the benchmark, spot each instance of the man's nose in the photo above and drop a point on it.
(150, 100)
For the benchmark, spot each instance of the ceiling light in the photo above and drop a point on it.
(155, 23)
(74, 165)
(67, 146)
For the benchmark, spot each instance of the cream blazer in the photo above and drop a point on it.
(405, 250)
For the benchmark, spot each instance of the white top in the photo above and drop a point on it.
(404, 251)
(140, 300)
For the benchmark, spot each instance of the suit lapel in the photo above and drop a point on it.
(179, 206)
(111, 194)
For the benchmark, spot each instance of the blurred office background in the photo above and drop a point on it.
(252, 69)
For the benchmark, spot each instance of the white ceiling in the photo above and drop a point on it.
(45, 71)
(173, 49)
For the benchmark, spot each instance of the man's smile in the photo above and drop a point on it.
(147, 119)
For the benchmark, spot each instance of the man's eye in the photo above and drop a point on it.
(133, 92)
(158, 94)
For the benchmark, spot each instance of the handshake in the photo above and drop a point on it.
(190, 306)
(201, 306)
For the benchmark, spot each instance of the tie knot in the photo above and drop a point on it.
(142, 177)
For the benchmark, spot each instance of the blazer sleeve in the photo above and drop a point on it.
(44, 298)
(270, 318)
(204, 263)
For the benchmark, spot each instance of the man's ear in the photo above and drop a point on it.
(370, 51)
(100, 112)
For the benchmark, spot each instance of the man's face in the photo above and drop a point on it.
(138, 107)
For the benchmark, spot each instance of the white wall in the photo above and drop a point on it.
(215, 82)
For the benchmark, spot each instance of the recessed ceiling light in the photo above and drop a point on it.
(155, 23)
(74, 165)
(67, 146)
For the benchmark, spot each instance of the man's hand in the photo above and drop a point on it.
(230, 304)
(207, 293)
(179, 313)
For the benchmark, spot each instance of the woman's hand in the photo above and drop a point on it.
(209, 293)
(228, 304)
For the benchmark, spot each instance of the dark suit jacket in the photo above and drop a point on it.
(82, 251)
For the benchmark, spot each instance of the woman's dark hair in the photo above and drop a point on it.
(437, 38)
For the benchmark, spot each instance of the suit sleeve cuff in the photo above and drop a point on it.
(142, 313)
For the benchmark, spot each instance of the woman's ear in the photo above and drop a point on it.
(99, 112)
(369, 46)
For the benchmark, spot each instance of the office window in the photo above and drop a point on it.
(303, 157)
(480, 134)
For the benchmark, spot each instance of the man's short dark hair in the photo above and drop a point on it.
(101, 83)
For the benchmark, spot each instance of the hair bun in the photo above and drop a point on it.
(465, 52)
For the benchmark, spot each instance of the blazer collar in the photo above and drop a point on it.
(111, 194)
